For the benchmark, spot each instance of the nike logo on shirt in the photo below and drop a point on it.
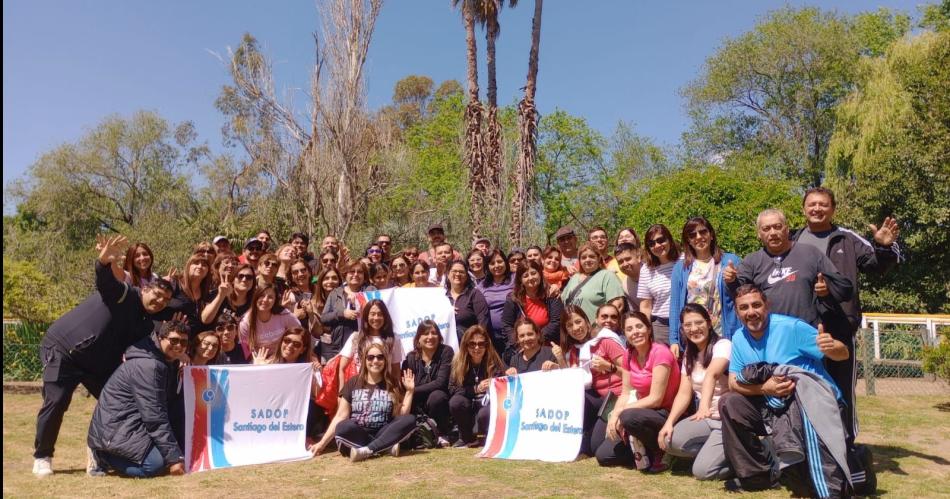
(782, 274)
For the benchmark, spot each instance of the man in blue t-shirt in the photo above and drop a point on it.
(772, 338)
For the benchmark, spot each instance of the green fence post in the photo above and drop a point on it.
(867, 349)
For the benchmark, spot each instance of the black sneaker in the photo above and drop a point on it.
(736, 486)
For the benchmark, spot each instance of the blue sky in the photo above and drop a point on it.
(68, 64)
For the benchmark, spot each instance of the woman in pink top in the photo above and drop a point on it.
(264, 324)
(602, 355)
(650, 381)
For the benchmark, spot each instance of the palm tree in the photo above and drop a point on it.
(474, 153)
(528, 123)
(487, 15)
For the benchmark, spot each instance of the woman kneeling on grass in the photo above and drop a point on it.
(703, 377)
(650, 380)
(374, 415)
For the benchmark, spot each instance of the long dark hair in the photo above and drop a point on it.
(385, 333)
(692, 353)
(689, 254)
(252, 312)
(424, 327)
(130, 264)
(568, 341)
(462, 363)
(489, 279)
(520, 294)
(673, 253)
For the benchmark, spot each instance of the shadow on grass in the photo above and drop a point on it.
(943, 407)
(886, 456)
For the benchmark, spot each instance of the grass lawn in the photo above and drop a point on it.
(910, 437)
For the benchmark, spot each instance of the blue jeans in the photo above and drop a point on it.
(153, 465)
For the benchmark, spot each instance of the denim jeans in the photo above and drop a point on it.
(153, 465)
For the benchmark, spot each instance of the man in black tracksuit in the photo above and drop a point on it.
(85, 345)
(131, 431)
(850, 254)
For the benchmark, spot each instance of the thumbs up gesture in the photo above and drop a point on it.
(729, 273)
(821, 287)
(824, 340)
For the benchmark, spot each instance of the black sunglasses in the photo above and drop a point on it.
(658, 241)
(372, 357)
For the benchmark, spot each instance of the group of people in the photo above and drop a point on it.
(692, 351)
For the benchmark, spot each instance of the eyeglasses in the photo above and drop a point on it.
(244, 277)
(399, 265)
(180, 342)
(699, 233)
(657, 242)
(328, 261)
(298, 271)
(410, 254)
(269, 264)
(294, 343)
(372, 357)
(457, 272)
(230, 328)
(384, 243)
(375, 252)
(474, 345)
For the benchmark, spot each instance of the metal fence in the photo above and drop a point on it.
(21, 344)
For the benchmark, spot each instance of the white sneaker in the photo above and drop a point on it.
(395, 450)
(43, 467)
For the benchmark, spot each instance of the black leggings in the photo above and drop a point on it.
(466, 412)
(644, 424)
(350, 434)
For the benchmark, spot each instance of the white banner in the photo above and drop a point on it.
(238, 415)
(537, 415)
(410, 306)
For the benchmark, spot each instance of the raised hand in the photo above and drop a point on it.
(558, 353)
(172, 275)
(225, 288)
(261, 357)
(408, 380)
(111, 249)
(729, 273)
(887, 233)
(821, 287)
(287, 301)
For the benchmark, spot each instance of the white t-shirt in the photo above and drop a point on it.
(721, 350)
(655, 283)
(396, 356)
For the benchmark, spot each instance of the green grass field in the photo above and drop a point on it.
(910, 437)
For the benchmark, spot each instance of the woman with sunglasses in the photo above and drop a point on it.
(190, 290)
(374, 253)
(529, 299)
(703, 377)
(473, 367)
(233, 295)
(467, 301)
(431, 362)
(400, 276)
(651, 373)
(592, 286)
(341, 311)
(697, 278)
(264, 324)
(328, 259)
(495, 288)
(375, 411)
(515, 258)
(377, 328)
(601, 354)
(653, 287)
(412, 254)
(227, 328)
(205, 249)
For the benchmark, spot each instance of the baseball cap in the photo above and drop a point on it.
(564, 231)
(218, 239)
(253, 241)
(481, 239)
(435, 227)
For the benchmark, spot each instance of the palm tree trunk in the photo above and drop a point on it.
(493, 134)
(528, 123)
(473, 117)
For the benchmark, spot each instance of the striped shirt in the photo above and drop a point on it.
(655, 285)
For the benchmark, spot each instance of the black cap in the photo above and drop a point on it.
(435, 227)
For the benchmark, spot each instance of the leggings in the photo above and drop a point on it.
(644, 424)
(350, 434)
(466, 412)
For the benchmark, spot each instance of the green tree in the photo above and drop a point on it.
(876, 31)
(890, 156)
(773, 90)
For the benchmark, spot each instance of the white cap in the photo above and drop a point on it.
(218, 239)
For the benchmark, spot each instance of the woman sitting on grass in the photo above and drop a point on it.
(431, 363)
(475, 364)
(375, 413)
